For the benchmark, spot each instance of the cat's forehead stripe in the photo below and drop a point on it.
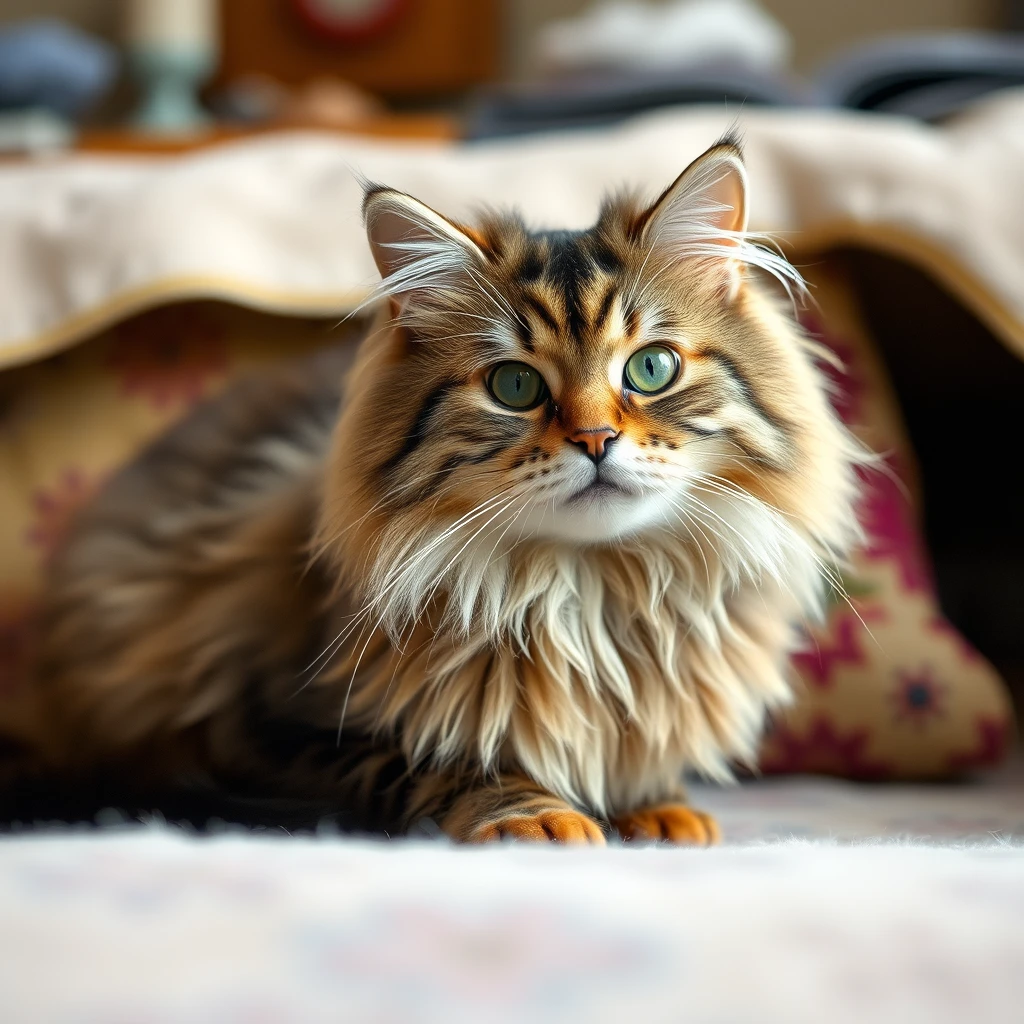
(605, 308)
(562, 277)
(538, 306)
(569, 271)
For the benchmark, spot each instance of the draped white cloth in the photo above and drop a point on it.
(275, 223)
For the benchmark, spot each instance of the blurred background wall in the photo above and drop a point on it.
(819, 27)
(99, 16)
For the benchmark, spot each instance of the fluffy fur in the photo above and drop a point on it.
(419, 601)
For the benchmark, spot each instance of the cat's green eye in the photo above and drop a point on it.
(651, 369)
(517, 385)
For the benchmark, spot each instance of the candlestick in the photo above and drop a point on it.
(172, 47)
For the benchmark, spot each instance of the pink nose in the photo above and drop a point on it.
(595, 441)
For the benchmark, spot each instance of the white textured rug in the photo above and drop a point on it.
(817, 808)
(153, 926)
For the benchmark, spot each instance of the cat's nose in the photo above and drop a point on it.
(595, 441)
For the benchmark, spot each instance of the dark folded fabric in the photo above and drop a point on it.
(926, 77)
(603, 98)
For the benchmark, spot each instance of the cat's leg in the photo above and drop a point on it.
(510, 806)
(372, 784)
(674, 821)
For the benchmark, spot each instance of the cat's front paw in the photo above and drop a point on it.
(675, 823)
(556, 826)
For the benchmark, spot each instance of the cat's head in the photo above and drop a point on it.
(580, 387)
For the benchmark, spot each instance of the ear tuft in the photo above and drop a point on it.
(733, 138)
(413, 246)
(703, 215)
(709, 197)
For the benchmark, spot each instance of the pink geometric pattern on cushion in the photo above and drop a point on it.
(891, 528)
(169, 355)
(822, 749)
(885, 511)
(845, 388)
(55, 507)
(993, 737)
(841, 645)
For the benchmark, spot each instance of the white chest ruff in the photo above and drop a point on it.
(604, 672)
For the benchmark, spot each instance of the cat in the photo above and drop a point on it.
(548, 548)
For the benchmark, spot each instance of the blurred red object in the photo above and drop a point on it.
(431, 48)
(349, 22)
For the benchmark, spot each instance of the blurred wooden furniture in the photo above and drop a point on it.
(431, 48)
(438, 127)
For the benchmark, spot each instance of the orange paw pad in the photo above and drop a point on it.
(545, 827)
(675, 823)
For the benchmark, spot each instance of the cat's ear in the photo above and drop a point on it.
(413, 246)
(703, 213)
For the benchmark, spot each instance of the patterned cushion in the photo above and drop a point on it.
(890, 688)
(913, 701)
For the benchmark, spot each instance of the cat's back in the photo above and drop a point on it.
(267, 429)
(192, 562)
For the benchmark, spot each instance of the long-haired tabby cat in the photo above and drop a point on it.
(547, 551)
